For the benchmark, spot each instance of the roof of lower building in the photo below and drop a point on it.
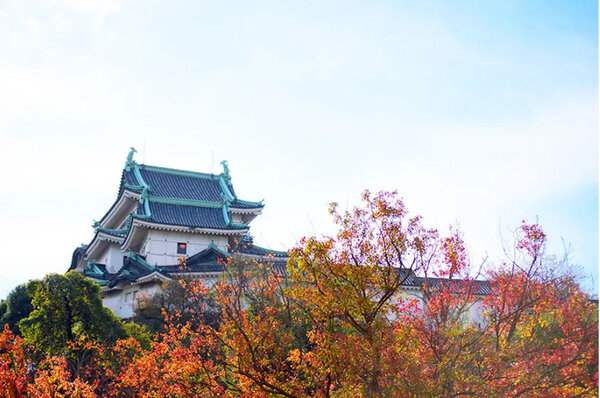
(98, 273)
(214, 260)
(211, 259)
(247, 247)
(477, 287)
(134, 267)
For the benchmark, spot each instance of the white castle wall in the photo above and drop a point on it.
(123, 302)
(160, 247)
(112, 257)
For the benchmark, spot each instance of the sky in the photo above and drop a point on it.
(480, 114)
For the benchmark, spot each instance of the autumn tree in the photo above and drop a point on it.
(180, 362)
(541, 330)
(51, 378)
(177, 301)
(13, 365)
(366, 335)
(385, 308)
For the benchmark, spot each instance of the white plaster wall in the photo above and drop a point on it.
(473, 315)
(112, 257)
(160, 247)
(476, 315)
(124, 302)
(112, 302)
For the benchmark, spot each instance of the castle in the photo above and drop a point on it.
(162, 218)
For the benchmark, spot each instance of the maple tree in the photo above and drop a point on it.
(178, 299)
(528, 331)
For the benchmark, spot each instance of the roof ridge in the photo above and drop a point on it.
(211, 247)
(184, 202)
(277, 252)
(181, 172)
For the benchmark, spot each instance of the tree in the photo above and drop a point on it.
(176, 301)
(18, 306)
(13, 368)
(3, 308)
(66, 309)
(385, 308)
(52, 379)
(535, 335)
(180, 362)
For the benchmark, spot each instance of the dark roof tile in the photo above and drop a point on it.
(165, 184)
(188, 216)
(239, 204)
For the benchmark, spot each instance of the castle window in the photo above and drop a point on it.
(181, 248)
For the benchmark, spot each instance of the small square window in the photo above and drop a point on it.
(181, 248)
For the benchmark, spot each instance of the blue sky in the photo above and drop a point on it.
(478, 113)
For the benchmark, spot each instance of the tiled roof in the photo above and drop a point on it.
(172, 197)
(179, 269)
(250, 249)
(78, 254)
(114, 232)
(174, 194)
(247, 246)
(204, 187)
(134, 267)
(210, 259)
(213, 259)
(189, 216)
(479, 287)
(182, 184)
(128, 178)
(98, 273)
(184, 198)
(240, 204)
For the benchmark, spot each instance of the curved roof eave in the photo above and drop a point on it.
(123, 196)
(99, 238)
(137, 223)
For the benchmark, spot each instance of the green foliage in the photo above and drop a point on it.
(17, 306)
(139, 332)
(3, 308)
(67, 308)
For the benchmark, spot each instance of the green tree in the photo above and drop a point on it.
(3, 309)
(67, 308)
(17, 307)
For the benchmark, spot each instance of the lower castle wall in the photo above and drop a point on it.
(124, 302)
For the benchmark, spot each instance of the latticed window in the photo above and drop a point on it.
(181, 248)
